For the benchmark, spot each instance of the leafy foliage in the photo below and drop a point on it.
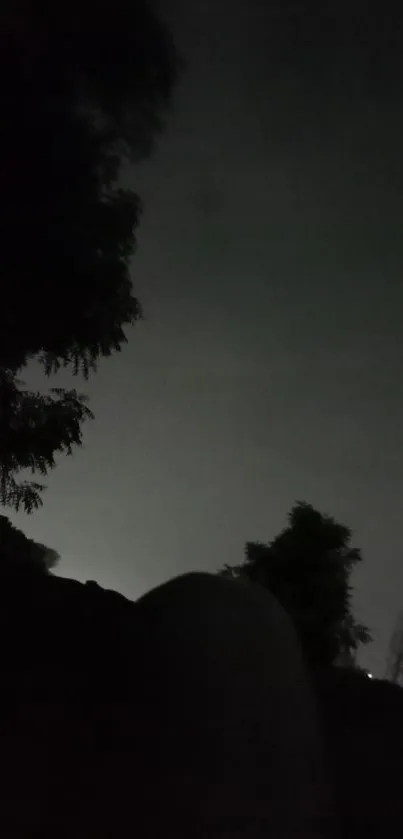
(84, 89)
(20, 554)
(307, 567)
(33, 427)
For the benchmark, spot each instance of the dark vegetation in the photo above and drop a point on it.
(84, 88)
(307, 567)
(18, 554)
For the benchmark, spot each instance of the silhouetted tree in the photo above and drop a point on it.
(21, 554)
(84, 89)
(307, 567)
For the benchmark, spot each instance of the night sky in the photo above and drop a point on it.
(270, 364)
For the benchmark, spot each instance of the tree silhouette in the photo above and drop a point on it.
(84, 89)
(307, 567)
(20, 554)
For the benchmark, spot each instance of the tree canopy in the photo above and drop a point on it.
(20, 554)
(84, 89)
(307, 567)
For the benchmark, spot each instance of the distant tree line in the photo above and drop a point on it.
(21, 555)
(307, 567)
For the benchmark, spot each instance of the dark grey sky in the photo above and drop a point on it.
(269, 367)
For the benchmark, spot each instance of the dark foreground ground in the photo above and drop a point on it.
(187, 714)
